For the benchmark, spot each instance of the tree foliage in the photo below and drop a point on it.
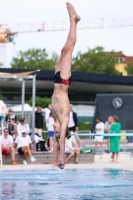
(95, 61)
(34, 59)
(43, 102)
(129, 68)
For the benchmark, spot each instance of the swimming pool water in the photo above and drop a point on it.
(68, 184)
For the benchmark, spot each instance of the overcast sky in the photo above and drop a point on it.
(23, 11)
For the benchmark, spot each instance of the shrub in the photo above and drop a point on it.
(84, 126)
(43, 102)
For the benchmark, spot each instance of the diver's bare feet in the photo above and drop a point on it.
(54, 165)
(112, 160)
(72, 12)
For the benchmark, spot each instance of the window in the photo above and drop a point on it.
(121, 60)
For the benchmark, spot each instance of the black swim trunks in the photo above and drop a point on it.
(20, 150)
(72, 128)
(58, 79)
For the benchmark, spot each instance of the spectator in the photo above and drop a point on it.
(50, 124)
(38, 121)
(99, 130)
(6, 141)
(11, 121)
(23, 125)
(3, 112)
(71, 150)
(47, 112)
(73, 125)
(107, 127)
(23, 144)
(115, 140)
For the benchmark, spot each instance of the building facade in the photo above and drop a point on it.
(83, 90)
(123, 60)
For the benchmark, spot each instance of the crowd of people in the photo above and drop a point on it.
(17, 134)
(22, 140)
(112, 125)
(22, 143)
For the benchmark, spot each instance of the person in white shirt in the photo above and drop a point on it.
(3, 111)
(7, 148)
(71, 150)
(73, 126)
(47, 112)
(50, 131)
(23, 143)
(99, 129)
(23, 125)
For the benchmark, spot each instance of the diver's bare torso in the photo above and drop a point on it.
(60, 102)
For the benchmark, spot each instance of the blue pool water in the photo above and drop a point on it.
(68, 184)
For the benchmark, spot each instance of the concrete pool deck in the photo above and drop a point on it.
(125, 163)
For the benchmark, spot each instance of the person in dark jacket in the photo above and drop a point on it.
(73, 120)
(73, 126)
(38, 121)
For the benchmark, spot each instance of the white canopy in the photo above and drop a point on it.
(84, 110)
(18, 108)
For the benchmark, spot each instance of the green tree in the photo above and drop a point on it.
(34, 59)
(129, 68)
(43, 102)
(95, 61)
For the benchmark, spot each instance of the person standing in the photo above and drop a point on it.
(115, 140)
(99, 130)
(7, 148)
(107, 127)
(73, 126)
(38, 121)
(47, 112)
(50, 131)
(73, 120)
(3, 111)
